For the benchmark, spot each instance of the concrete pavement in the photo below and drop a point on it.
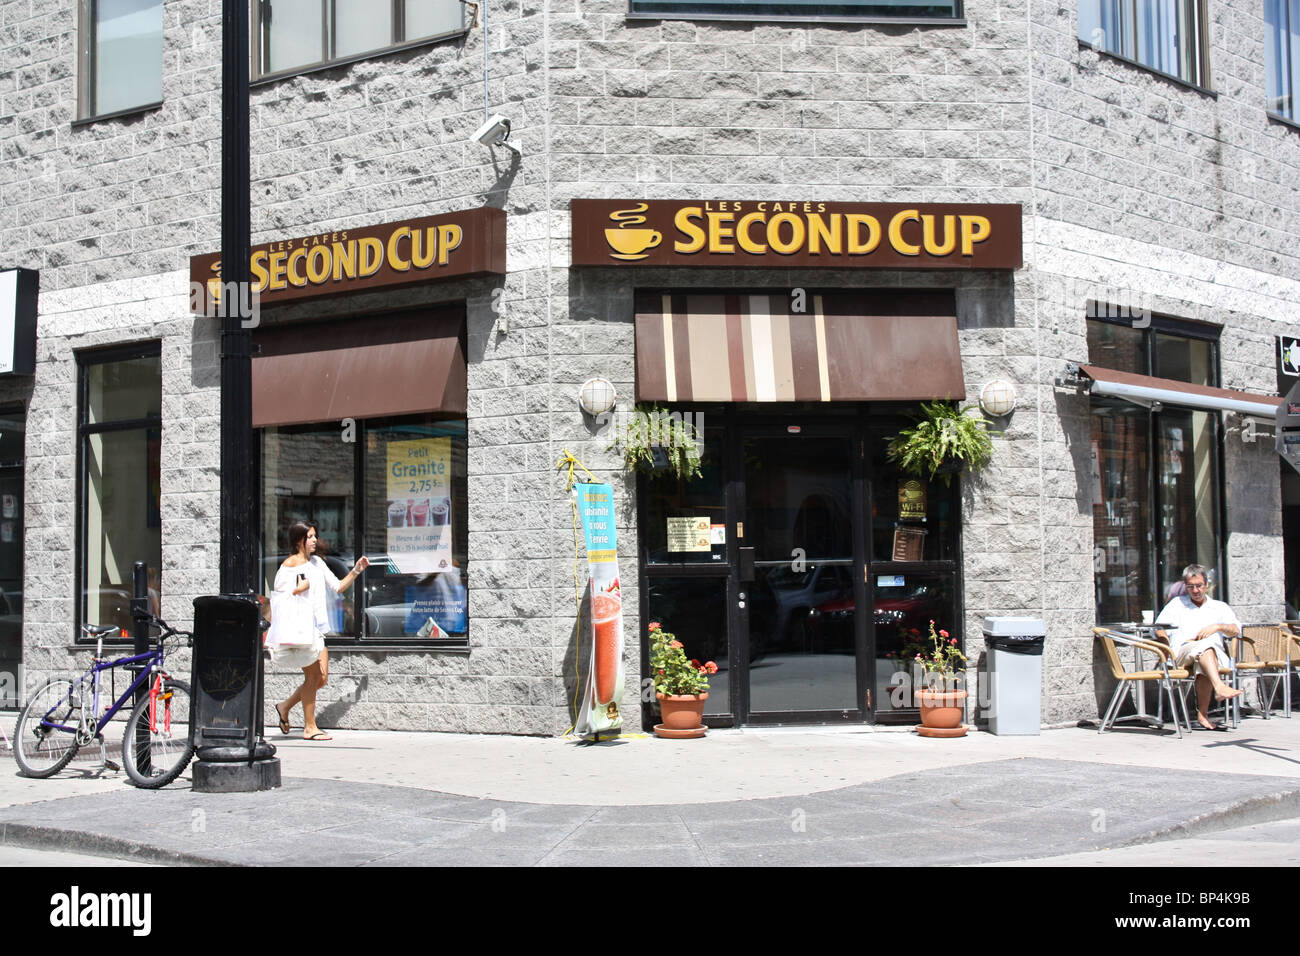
(806, 796)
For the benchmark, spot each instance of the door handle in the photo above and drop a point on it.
(746, 564)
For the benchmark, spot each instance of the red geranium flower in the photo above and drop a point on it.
(654, 625)
(942, 632)
(676, 644)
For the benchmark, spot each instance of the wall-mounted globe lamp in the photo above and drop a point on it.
(998, 398)
(597, 396)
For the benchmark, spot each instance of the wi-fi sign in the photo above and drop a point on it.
(1289, 354)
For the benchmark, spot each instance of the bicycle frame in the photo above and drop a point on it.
(154, 658)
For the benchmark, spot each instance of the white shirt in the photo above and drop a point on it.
(320, 577)
(1188, 619)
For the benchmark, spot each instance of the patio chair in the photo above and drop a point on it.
(1163, 675)
(1262, 652)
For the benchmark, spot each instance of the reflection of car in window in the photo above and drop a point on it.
(783, 599)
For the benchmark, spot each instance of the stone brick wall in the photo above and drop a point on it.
(1130, 182)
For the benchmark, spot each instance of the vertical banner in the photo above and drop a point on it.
(598, 711)
(419, 505)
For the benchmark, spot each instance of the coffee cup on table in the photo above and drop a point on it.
(1148, 617)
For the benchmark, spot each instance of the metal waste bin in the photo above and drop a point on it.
(1015, 674)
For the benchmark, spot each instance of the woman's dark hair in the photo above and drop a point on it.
(298, 534)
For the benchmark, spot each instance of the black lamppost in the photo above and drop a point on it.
(227, 669)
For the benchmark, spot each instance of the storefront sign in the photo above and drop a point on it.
(1287, 429)
(599, 709)
(419, 505)
(343, 261)
(1288, 355)
(778, 233)
(18, 289)
(689, 534)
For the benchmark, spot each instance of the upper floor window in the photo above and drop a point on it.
(121, 45)
(299, 34)
(1167, 36)
(797, 9)
(1282, 56)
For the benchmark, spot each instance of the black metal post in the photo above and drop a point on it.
(227, 664)
(237, 539)
(140, 641)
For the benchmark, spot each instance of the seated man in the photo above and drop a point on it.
(1196, 639)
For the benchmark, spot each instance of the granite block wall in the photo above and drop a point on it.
(1134, 187)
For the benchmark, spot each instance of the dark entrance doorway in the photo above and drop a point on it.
(805, 517)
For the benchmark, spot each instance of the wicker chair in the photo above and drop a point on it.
(1163, 675)
(1230, 675)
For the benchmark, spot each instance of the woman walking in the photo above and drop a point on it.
(300, 620)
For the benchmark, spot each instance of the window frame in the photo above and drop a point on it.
(86, 67)
(958, 19)
(1181, 328)
(1200, 60)
(259, 28)
(85, 359)
(1289, 70)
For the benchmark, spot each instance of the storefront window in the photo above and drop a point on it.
(1155, 483)
(398, 487)
(12, 432)
(673, 503)
(121, 445)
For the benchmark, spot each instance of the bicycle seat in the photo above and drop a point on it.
(97, 630)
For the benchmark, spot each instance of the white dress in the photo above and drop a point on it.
(319, 577)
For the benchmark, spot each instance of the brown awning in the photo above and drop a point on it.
(396, 364)
(845, 347)
(1148, 388)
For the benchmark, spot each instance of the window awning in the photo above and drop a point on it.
(399, 364)
(1144, 389)
(858, 347)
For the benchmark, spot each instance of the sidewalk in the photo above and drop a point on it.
(806, 796)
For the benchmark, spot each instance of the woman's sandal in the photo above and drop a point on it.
(284, 721)
(319, 735)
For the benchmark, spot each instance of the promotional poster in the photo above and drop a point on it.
(598, 710)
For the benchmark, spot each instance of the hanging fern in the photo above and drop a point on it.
(945, 433)
(655, 429)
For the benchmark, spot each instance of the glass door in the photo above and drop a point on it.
(799, 557)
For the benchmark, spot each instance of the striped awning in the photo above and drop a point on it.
(844, 347)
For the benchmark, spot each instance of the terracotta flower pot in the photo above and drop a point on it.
(683, 716)
(942, 712)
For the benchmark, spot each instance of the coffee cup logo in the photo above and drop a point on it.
(631, 243)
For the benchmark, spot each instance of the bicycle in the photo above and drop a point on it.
(61, 716)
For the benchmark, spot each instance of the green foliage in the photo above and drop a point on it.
(944, 433)
(655, 428)
(673, 674)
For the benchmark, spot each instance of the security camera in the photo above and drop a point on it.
(495, 132)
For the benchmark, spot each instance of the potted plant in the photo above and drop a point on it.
(944, 439)
(655, 439)
(942, 700)
(681, 686)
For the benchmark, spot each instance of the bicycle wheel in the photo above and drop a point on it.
(169, 737)
(46, 736)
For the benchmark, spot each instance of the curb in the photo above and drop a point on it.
(1282, 805)
(32, 837)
